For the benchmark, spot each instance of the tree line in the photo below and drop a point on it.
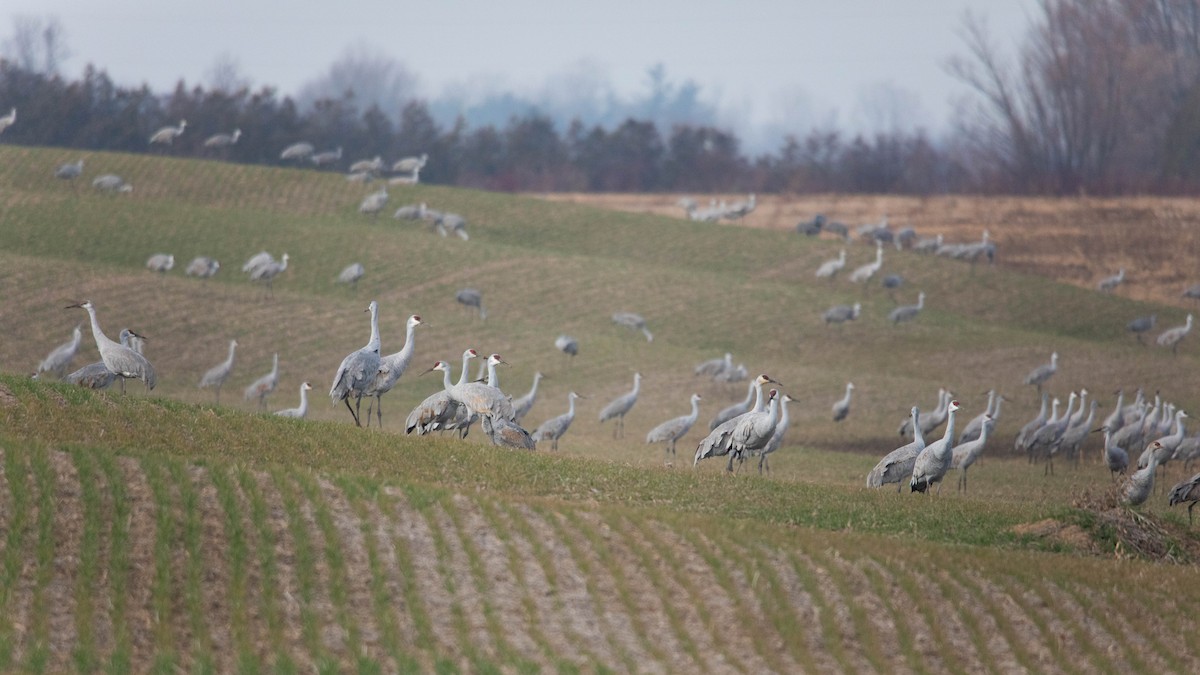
(1101, 97)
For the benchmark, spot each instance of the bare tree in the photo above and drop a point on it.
(225, 74)
(37, 44)
(370, 76)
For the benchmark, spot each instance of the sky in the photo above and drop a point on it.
(797, 63)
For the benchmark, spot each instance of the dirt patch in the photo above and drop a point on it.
(1066, 534)
(7, 400)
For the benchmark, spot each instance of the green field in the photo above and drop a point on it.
(160, 532)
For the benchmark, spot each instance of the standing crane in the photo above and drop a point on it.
(730, 412)
(753, 430)
(934, 461)
(268, 271)
(830, 268)
(358, 370)
(297, 151)
(411, 166)
(776, 440)
(1107, 284)
(971, 431)
(620, 406)
(1140, 325)
(719, 440)
(1115, 456)
(554, 428)
(1040, 375)
(471, 298)
(1172, 337)
(674, 429)
(70, 170)
(865, 272)
(8, 120)
(965, 454)
(1141, 484)
(302, 411)
(119, 359)
(633, 322)
(223, 140)
(907, 312)
(59, 358)
(523, 405)
(438, 409)
(391, 367)
(373, 203)
(216, 376)
(351, 274)
(898, 464)
(264, 386)
(167, 135)
(484, 399)
(842, 408)
(328, 157)
(1186, 491)
(842, 313)
(1046, 438)
(714, 367)
(1026, 434)
(96, 375)
(506, 434)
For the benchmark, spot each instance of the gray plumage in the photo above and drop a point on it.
(719, 441)
(567, 345)
(160, 262)
(373, 203)
(842, 408)
(965, 454)
(263, 387)
(118, 358)
(1040, 375)
(897, 465)
(391, 368)
(410, 212)
(633, 322)
(110, 182)
(438, 409)
(351, 274)
(830, 268)
(842, 313)
(358, 370)
(777, 437)
(809, 228)
(302, 411)
(410, 165)
(1026, 434)
(865, 272)
(1107, 284)
(928, 244)
(934, 461)
(167, 135)
(267, 272)
(1115, 456)
(1186, 491)
(59, 359)
(297, 151)
(216, 376)
(203, 267)
(1141, 483)
(223, 140)
(256, 261)
(1077, 433)
(1167, 444)
(372, 166)
(735, 374)
(484, 399)
(445, 223)
(620, 406)
(674, 429)
(70, 170)
(8, 120)
(1172, 337)
(554, 428)
(327, 157)
(96, 375)
(754, 431)
(714, 367)
(506, 434)
(729, 412)
(524, 404)
(1045, 440)
(971, 431)
(907, 312)
(471, 298)
(1141, 325)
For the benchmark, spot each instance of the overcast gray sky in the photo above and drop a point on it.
(759, 60)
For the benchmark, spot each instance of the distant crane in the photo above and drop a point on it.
(934, 461)
(898, 464)
(1107, 284)
(216, 376)
(96, 375)
(891, 282)
(971, 431)
(256, 261)
(302, 411)
(471, 298)
(830, 268)
(373, 203)
(8, 120)
(368, 166)
(438, 408)
(167, 135)
(1021, 444)
(110, 182)
(567, 345)
(1040, 375)
(70, 170)
(1140, 325)
(620, 406)
(776, 440)
(633, 321)
(907, 312)
(268, 271)
(1141, 484)
(965, 454)
(358, 370)
(351, 274)
(674, 429)
(411, 166)
(391, 368)
(444, 223)
(1115, 456)
(263, 387)
(328, 157)
(119, 359)
(160, 262)
(842, 408)
(223, 140)
(523, 405)
(297, 151)
(1172, 337)
(752, 431)
(1186, 491)
(59, 358)
(714, 367)
(842, 313)
(203, 267)
(730, 412)
(719, 441)
(865, 272)
(554, 428)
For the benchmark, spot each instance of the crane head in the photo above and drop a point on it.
(306, 386)
(954, 406)
(697, 397)
(86, 304)
(496, 360)
(439, 365)
(415, 320)
(470, 354)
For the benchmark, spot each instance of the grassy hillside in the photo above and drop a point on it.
(164, 531)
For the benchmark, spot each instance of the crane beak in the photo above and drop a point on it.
(427, 371)
(78, 304)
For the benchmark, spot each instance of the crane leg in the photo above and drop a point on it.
(378, 411)
(352, 413)
(218, 394)
(1190, 513)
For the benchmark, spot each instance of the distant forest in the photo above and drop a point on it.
(1103, 97)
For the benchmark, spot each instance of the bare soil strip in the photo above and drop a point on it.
(413, 531)
(68, 540)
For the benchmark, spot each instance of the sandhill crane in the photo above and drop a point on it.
(809, 228)
(1142, 324)
(554, 428)
(1172, 337)
(1186, 491)
(203, 267)
(358, 370)
(1115, 456)
(1076, 435)
(263, 387)
(223, 140)
(216, 376)
(121, 360)
(391, 368)
(830, 268)
(934, 461)
(1107, 284)
(620, 406)
(776, 440)
(70, 170)
(633, 321)
(965, 454)
(373, 203)
(971, 431)
(739, 210)
(1026, 434)
(905, 238)
(842, 313)
(1038, 376)
(1046, 438)
(268, 271)
(1168, 444)
(674, 429)
(928, 244)
(897, 465)
(938, 415)
(438, 408)
(485, 399)
(297, 151)
(753, 430)
(735, 374)
(369, 166)
(471, 298)
(444, 223)
(1116, 418)
(523, 405)
(411, 166)
(865, 272)
(714, 367)
(59, 358)
(842, 408)
(1078, 416)
(719, 440)
(411, 212)
(729, 412)
(891, 282)
(302, 411)
(567, 345)
(8, 120)
(1141, 484)
(907, 312)
(256, 261)
(167, 135)
(110, 182)
(351, 274)
(97, 375)
(327, 157)
(507, 434)
(160, 262)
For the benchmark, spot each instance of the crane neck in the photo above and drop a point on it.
(406, 351)
(949, 436)
(373, 344)
(275, 366)
(462, 378)
(493, 380)
(695, 411)
(97, 333)
(446, 383)
(303, 400)
(918, 435)
(232, 349)
(783, 414)
(570, 406)
(637, 384)
(759, 403)
(750, 393)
